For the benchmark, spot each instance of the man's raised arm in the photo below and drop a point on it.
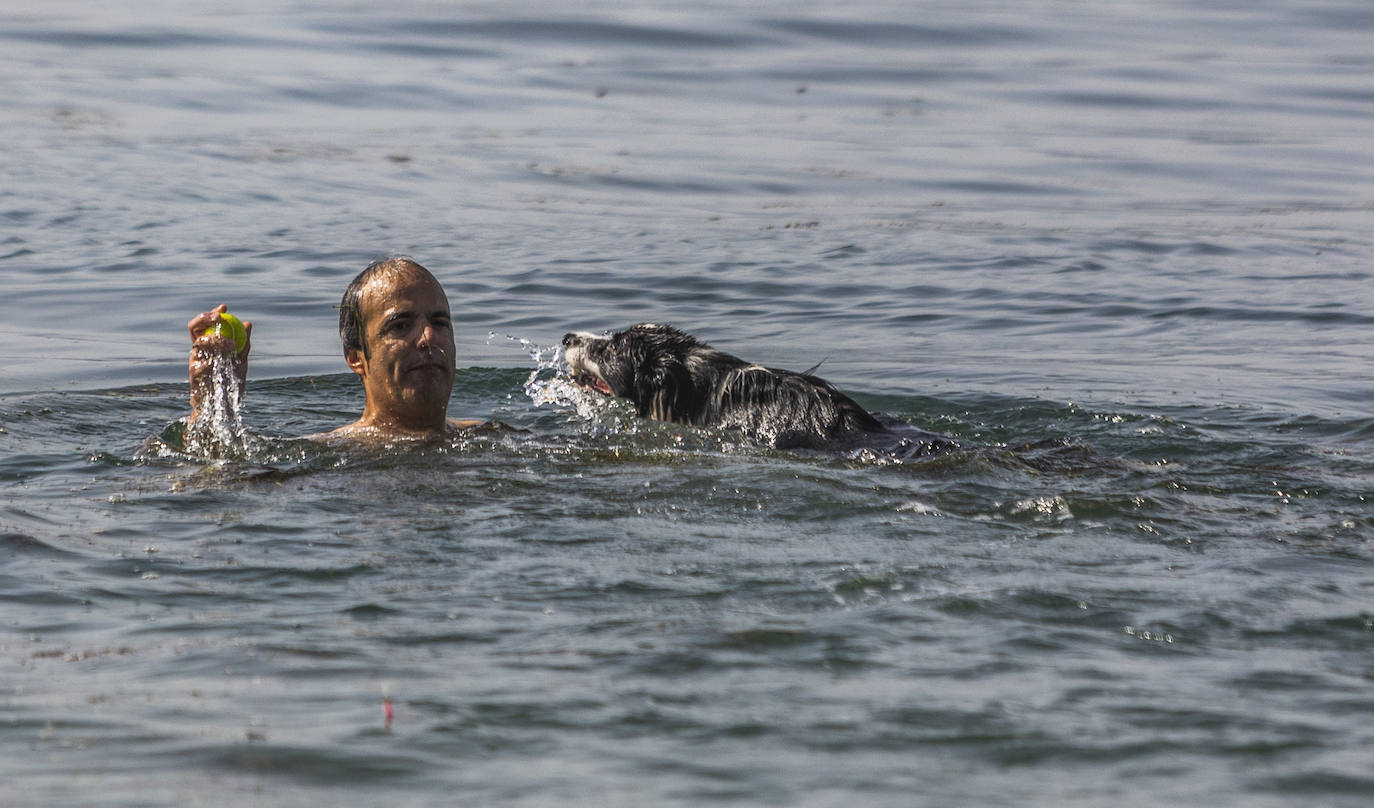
(205, 348)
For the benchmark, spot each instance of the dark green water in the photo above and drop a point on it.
(586, 605)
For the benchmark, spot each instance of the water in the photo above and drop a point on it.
(1138, 232)
(217, 432)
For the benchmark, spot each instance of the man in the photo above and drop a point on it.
(397, 336)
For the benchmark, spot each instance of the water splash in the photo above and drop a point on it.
(550, 382)
(217, 431)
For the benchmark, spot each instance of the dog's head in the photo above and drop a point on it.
(645, 363)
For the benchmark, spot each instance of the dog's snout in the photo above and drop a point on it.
(569, 339)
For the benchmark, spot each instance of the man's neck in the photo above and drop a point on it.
(402, 424)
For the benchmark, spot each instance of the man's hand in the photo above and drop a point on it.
(204, 349)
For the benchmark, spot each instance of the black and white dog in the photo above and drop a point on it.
(671, 376)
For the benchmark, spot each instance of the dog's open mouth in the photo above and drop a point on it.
(592, 381)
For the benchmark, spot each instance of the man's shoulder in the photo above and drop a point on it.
(360, 431)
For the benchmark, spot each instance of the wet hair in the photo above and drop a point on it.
(351, 326)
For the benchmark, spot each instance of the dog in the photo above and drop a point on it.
(669, 375)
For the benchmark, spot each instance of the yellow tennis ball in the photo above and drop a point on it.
(231, 327)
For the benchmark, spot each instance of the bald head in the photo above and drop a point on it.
(388, 270)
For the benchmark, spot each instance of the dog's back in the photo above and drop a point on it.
(784, 408)
(670, 375)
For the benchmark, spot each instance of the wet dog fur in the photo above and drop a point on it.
(669, 375)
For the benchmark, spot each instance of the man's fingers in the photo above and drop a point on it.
(204, 320)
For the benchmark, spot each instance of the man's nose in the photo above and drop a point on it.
(426, 336)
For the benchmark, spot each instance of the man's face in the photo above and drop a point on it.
(408, 369)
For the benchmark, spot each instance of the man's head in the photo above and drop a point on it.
(398, 337)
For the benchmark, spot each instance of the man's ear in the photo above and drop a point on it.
(356, 361)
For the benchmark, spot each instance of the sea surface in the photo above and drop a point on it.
(1121, 251)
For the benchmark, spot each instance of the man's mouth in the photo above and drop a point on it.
(428, 360)
(426, 366)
